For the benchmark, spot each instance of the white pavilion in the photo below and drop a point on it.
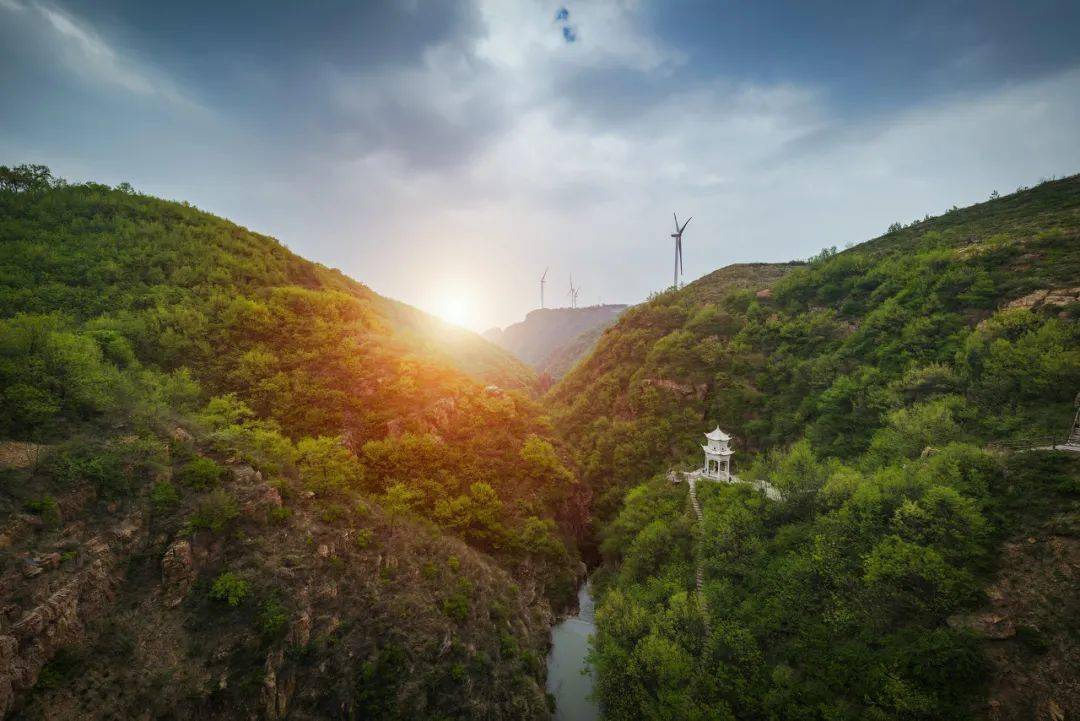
(717, 456)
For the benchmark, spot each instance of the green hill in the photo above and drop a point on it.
(865, 386)
(236, 483)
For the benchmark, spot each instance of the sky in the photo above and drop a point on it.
(446, 153)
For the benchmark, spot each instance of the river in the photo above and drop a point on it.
(570, 679)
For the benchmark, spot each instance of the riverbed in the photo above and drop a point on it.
(570, 680)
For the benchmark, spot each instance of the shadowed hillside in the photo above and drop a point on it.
(237, 484)
(551, 340)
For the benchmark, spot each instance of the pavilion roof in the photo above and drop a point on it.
(718, 435)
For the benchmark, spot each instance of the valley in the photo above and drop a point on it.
(554, 340)
(238, 484)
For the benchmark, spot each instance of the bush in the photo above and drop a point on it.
(201, 473)
(278, 515)
(93, 463)
(214, 511)
(164, 497)
(229, 588)
(273, 618)
(456, 605)
(363, 538)
(62, 669)
(48, 509)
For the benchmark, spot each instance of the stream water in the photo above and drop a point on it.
(570, 680)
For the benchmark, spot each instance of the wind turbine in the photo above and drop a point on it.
(677, 235)
(542, 287)
(573, 293)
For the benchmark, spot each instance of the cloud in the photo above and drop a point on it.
(87, 53)
(472, 142)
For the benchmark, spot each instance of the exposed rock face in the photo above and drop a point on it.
(179, 434)
(1056, 297)
(1032, 659)
(277, 689)
(251, 491)
(60, 620)
(17, 454)
(245, 474)
(441, 414)
(177, 572)
(684, 389)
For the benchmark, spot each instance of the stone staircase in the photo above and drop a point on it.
(699, 572)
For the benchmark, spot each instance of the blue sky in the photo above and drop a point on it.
(446, 153)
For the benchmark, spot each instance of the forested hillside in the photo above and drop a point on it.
(236, 483)
(869, 387)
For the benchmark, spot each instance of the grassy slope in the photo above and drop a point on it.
(121, 315)
(892, 362)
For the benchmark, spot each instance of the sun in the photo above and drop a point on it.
(454, 309)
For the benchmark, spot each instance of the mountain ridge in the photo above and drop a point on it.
(551, 340)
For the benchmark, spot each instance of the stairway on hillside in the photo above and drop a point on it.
(699, 572)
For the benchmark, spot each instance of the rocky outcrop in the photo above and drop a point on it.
(1031, 654)
(1055, 297)
(177, 572)
(61, 618)
(684, 389)
(278, 688)
(17, 454)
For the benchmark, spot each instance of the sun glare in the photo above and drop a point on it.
(454, 306)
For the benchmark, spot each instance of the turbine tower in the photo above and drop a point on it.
(542, 287)
(677, 235)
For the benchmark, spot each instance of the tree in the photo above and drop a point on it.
(26, 178)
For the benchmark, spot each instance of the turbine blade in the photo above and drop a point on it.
(686, 224)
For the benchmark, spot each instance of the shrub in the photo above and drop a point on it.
(214, 511)
(456, 606)
(333, 512)
(229, 588)
(48, 509)
(201, 473)
(278, 515)
(164, 496)
(63, 668)
(363, 538)
(100, 466)
(273, 618)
